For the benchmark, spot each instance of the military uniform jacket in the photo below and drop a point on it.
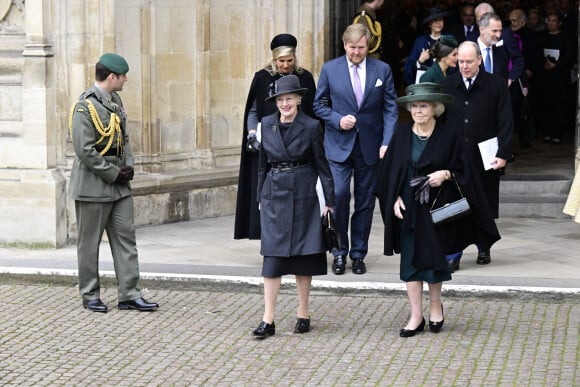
(289, 207)
(93, 175)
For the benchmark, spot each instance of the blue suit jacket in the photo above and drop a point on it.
(376, 117)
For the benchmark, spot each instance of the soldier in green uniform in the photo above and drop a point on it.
(366, 15)
(99, 184)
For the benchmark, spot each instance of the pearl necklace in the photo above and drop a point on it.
(422, 138)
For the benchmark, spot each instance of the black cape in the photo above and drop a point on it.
(247, 219)
(443, 151)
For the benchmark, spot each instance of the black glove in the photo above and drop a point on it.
(129, 172)
(421, 186)
(253, 144)
(120, 178)
(125, 175)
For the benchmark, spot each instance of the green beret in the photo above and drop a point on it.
(115, 63)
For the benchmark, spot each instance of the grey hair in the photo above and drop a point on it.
(438, 107)
(521, 15)
(487, 17)
(481, 9)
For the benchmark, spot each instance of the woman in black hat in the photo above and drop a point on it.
(283, 62)
(291, 159)
(419, 57)
(425, 151)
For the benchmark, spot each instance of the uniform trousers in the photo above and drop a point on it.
(93, 218)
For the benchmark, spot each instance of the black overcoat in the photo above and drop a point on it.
(442, 152)
(477, 115)
(247, 219)
(289, 207)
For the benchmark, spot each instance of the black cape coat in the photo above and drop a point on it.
(290, 211)
(443, 151)
(247, 219)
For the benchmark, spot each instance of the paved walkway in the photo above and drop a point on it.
(202, 337)
(515, 321)
(533, 253)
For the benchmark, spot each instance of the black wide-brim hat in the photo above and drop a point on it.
(425, 92)
(286, 85)
(434, 14)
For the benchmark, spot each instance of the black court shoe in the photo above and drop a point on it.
(411, 332)
(435, 326)
(264, 329)
(302, 325)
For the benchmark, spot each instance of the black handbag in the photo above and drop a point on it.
(330, 233)
(450, 211)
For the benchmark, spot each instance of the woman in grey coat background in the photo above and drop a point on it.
(292, 158)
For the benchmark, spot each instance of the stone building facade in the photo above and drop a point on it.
(191, 63)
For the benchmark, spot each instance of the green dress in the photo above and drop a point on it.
(434, 74)
(408, 272)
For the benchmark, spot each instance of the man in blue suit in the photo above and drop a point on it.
(496, 59)
(356, 99)
(509, 63)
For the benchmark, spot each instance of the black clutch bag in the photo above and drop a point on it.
(330, 232)
(450, 211)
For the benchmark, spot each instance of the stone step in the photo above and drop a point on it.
(533, 196)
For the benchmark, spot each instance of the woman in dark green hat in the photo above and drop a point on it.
(427, 150)
(444, 53)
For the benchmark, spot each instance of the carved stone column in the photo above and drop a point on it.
(33, 202)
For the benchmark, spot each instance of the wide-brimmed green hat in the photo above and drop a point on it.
(427, 91)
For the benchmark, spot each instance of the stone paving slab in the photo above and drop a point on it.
(202, 337)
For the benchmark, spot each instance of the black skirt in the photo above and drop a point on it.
(309, 265)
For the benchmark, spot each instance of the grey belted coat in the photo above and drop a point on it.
(289, 207)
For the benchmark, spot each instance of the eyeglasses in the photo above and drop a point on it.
(285, 99)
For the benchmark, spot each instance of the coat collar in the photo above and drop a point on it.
(112, 103)
(294, 131)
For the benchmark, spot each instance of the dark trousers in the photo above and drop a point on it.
(364, 202)
(116, 218)
(521, 113)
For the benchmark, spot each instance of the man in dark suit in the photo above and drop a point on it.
(356, 99)
(495, 58)
(467, 29)
(481, 111)
(508, 44)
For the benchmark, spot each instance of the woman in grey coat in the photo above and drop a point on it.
(291, 158)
